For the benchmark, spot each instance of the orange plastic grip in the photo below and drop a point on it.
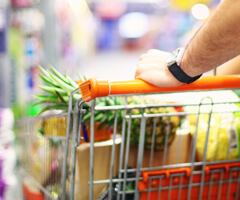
(221, 166)
(144, 184)
(93, 88)
(167, 173)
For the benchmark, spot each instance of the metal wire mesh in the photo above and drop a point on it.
(134, 160)
(43, 143)
(156, 151)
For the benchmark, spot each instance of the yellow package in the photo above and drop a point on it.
(222, 139)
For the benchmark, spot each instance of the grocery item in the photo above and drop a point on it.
(56, 95)
(223, 135)
(39, 163)
(55, 126)
(162, 123)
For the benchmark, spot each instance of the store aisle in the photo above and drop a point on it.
(111, 65)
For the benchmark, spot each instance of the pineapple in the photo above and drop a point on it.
(160, 129)
(57, 92)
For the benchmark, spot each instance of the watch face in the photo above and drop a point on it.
(171, 60)
(179, 54)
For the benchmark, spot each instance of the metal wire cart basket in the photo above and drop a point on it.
(158, 143)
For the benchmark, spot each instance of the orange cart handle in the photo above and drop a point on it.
(94, 88)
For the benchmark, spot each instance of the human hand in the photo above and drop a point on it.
(152, 68)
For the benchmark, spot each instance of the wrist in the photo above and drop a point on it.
(176, 65)
(185, 64)
(174, 81)
(191, 64)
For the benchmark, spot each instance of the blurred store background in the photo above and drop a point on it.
(94, 38)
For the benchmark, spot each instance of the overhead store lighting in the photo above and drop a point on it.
(200, 11)
(133, 25)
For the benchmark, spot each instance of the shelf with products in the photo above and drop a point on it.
(25, 46)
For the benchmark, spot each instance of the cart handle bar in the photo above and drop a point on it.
(93, 88)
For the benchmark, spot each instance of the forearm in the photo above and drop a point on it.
(229, 68)
(216, 42)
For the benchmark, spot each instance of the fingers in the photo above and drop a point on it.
(153, 60)
(154, 53)
(158, 52)
(152, 68)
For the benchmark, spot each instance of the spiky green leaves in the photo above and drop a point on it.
(57, 89)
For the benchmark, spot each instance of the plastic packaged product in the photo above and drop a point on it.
(223, 142)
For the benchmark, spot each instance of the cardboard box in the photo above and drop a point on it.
(181, 142)
(102, 168)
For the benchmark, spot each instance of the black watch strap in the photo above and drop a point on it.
(180, 75)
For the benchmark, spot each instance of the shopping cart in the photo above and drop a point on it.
(202, 165)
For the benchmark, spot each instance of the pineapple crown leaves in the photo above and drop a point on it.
(48, 81)
(61, 99)
(58, 87)
(57, 90)
(73, 83)
(64, 85)
(81, 78)
(52, 90)
(52, 107)
(105, 118)
(55, 79)
(41, 97)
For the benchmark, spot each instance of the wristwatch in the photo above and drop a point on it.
(173, 64)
